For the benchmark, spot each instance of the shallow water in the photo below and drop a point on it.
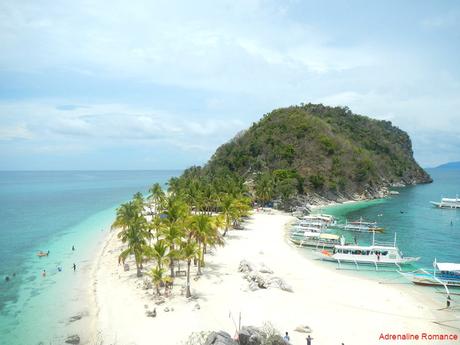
(55, 211)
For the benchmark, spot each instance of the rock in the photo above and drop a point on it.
(166, 309)
(152, 313)
(250, 336)
(160, 301)
(73, 339)
(196, 307)
(219, 338)
(75, 318)
(303, 329)
(245, 266)
(265, 269)
(276, 282)
(253, 286)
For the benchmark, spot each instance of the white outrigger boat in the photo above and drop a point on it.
(444, 273)
(316, 239)
(377, 254)
(324, 218)
(361, 226)
(447, 203)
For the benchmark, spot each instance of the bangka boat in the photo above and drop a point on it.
(324, 218)
(447, 203)
(443, 273)
(362, 226)
(317, 240)
(376, 254)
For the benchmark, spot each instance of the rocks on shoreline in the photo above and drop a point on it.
(261, 277)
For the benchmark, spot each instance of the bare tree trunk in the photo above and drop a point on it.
(199, 260)
(188, 294)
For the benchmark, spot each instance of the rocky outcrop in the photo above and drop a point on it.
(261, 277)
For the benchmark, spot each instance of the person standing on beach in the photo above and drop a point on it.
(74, 267)
(448, 301)
(286, 337)
(309, 339)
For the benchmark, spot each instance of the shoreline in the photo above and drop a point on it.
(330, 298)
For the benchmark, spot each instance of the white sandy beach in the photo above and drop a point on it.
(338, 307)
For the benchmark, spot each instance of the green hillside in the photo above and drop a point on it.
(317, 149)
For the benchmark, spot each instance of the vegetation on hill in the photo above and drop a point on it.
(317, 149)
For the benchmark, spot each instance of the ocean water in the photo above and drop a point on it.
(54, 211)
(421, 229)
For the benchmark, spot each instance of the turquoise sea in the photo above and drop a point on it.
(54, 211)
(421, 229)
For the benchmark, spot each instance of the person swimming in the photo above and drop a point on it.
(7, 279)
(59, 268)
(44, 273)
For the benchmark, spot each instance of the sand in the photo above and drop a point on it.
(338, 307)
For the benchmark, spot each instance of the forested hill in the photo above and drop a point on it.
(313, 148)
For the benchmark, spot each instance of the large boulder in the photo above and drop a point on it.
(220, 338)
(250, 336)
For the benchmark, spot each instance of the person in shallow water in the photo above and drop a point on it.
(7, 279)
(44, 273)
(73, 248)
(74, 267)
(59, 268)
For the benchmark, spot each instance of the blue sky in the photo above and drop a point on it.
(160, 84)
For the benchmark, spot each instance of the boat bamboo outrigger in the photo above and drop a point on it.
(377, 254)
(361, 226)
(443, 274)
(316, 240)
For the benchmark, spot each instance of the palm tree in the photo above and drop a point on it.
(188, 253)
(172, 235)
(135, 236)
(204, 231)
(228, 211)
(264, 188)
(158, 278)
(160, 253)
(175, 219)
(157, 196)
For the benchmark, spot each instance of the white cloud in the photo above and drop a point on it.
(18, 131)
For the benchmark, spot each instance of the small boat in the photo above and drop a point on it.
(394, 192)
(376, 254)
(42, 253)
(443, 273)
(447, 203)
(317, 240)
(362, 226)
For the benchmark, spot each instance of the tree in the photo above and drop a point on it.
(158, 278)
(157, 196)
(135, 237)
(264, 188)
(188, 253)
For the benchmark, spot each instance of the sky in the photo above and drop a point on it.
(161, 84)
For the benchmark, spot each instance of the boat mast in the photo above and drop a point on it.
(394, 244)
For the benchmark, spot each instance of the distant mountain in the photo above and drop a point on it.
(323, 150)
(449, 166)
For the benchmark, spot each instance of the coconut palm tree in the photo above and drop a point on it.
(173, 222)
(157, 196)
(158, 278)
(135, 236)
(188, 253)
(205, 232)
(159, 252)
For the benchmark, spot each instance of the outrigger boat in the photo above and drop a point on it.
(447, 203)
(323, 218)
(443, 273)
(317, 240)
(376, 254)
(362, 226)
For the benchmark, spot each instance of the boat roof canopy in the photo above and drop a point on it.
(447, 266)
(329, 236)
